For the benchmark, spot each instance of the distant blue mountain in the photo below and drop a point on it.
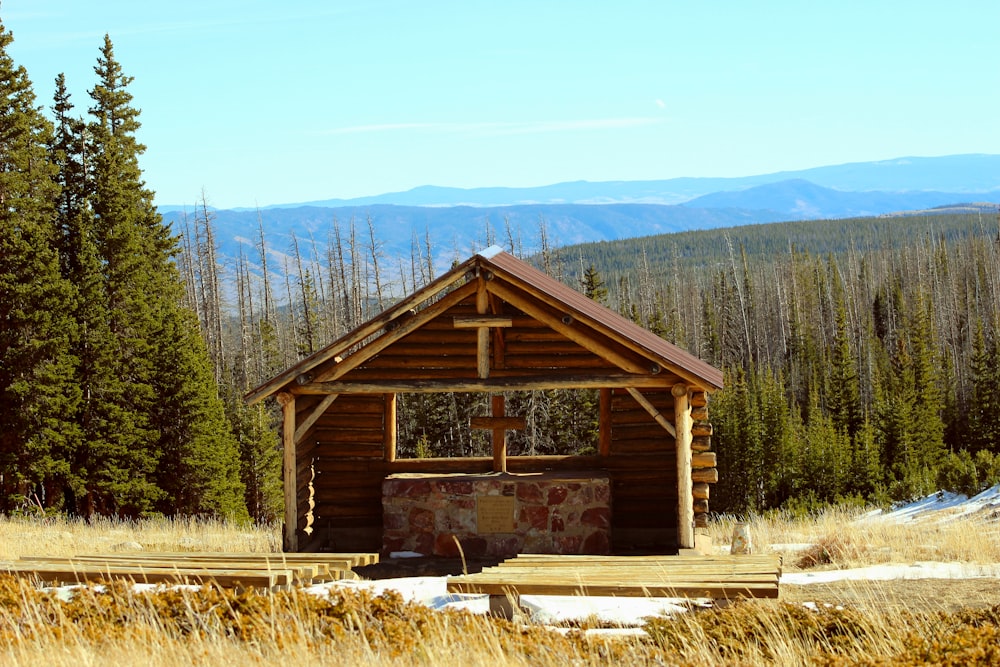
(806, 201)
(457, 221)
(970, 174)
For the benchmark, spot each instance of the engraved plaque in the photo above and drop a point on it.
(495, 514)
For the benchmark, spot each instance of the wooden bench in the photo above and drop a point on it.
(257, 570)
(716, 577)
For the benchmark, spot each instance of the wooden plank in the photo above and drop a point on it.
(81, 573)
(680, 589)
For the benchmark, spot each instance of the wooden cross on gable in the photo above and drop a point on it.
(484, 322)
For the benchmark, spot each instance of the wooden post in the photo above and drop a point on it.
(685, 490)
(289, 464)
(604, 426)
(389, 428)
(499, 436)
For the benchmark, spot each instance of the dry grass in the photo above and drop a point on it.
(860, 623)
(845, 538)
(57, 536)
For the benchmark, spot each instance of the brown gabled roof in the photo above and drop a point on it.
(518, 273)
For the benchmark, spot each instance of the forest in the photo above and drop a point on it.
(862, 357)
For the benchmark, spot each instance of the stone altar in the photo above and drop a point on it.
(497, 515)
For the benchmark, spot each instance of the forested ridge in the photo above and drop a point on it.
(862, 356)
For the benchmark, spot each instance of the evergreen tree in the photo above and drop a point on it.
(36, 394)
(984, 404)
(593, 285)
(179, 452)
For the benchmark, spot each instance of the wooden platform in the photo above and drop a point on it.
(250, 570)
(717, 577)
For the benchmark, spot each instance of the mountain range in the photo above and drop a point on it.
(456, 221)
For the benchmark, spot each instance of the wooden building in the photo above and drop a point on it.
(495, 324)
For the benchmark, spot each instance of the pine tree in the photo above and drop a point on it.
(36, 395)
(984, 404)
(593, 285)
(180, 455)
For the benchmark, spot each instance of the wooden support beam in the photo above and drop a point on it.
(685, 496)
(652, 410)
(287, 401)
(499, 435)
(317, 412)
(482, 333)
(604, 423)
(495, 383)
(389, 428)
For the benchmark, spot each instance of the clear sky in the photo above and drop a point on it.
(258, 102)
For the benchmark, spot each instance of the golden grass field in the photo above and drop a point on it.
(879, 623)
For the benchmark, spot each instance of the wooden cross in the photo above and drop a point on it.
(483, 323)
(499, 424)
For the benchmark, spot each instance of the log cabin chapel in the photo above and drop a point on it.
(495, 324)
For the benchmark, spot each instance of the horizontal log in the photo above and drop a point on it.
(703, 460)
(563, 346)
(348, 449)
(661, 399)
(337, 436)
(650, 430)
(444, 335)
(406, 363)
(519, 334)
(702, 443)
(701, 521)
(490, 423)
(699, 413)
(701, 490)
(701, 429)
(356, 405)
(634, 416)
(477, 321)
(700, 506)
(515, 361)
(429, 350)
(641, 446)
(699, 399)
(497, 382)
(708, 475)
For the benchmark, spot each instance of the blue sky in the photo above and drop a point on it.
(257, 104)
